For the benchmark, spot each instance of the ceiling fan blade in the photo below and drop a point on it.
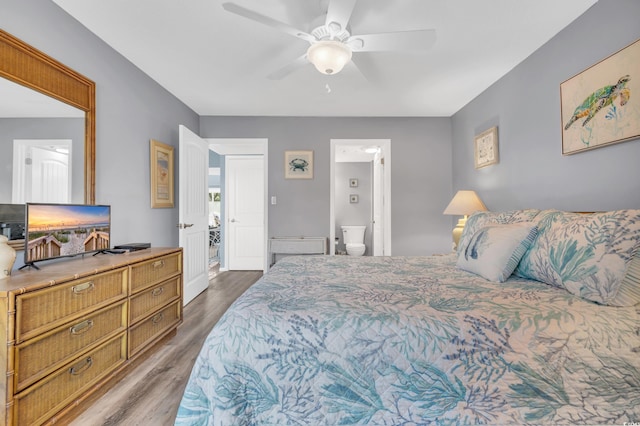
(407, 41)
(340, 12)
(365, 67)
(289, 68)
(255, 16)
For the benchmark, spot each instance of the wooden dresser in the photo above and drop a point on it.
(70, 327)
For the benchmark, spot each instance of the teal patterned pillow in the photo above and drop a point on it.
(481, 219)
(594, 256)
(495, 250)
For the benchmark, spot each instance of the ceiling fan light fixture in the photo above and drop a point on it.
(328, 56)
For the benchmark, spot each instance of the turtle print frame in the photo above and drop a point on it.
(601, 105)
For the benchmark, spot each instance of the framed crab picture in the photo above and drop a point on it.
(601, 105)
(298, 164)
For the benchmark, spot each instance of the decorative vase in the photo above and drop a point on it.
(7, 257)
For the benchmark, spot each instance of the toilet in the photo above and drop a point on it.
(353, 236)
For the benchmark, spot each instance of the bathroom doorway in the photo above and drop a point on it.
(360, 192)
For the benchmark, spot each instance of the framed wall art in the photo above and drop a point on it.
(298, 164)
(353, 198)
(353, 183)
(161, 175)
(486, 148)
(601, 105)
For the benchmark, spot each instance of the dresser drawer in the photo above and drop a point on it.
(146, 274)
(42, 310)
(40, 401)
(148, 301)
(153, 327)
(40, 356)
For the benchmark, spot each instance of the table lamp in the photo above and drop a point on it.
(463, 204)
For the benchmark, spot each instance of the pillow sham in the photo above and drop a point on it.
(494, 251)
(481, 219)
(594, 256)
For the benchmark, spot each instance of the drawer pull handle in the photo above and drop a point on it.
(82, 327)
(81, 367)
(157, 291)
(157, 318)
(83, 288)
(158, 264)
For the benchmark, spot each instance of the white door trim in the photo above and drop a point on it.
(245, 146)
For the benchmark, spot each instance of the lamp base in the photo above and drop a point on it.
(457, 231)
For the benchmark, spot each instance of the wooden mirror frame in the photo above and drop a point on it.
(26, 65)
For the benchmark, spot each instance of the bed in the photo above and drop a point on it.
(328, 340)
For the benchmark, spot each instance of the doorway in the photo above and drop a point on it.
(215, 213)
(229, 244)
(367, 197)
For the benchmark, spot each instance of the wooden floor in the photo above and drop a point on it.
(151, 392)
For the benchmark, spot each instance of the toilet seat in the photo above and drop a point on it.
(354, 249)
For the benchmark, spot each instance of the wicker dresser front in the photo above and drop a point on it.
(71, 326)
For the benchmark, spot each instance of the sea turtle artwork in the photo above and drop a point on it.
(298, 164)
(599, 99)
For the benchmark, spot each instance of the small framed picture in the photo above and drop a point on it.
(161, 175)
(298, 164)
(353, 198)
(486, 148)
(353, 183)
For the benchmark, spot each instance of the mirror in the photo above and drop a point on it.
(30, 68)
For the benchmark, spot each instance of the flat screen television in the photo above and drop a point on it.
(12, 221)
(61, 230)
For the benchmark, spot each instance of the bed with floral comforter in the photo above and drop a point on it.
(328, 340)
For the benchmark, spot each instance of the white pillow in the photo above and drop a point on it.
(493, 252)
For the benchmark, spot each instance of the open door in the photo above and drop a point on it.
(193, 211)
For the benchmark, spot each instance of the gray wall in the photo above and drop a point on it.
(131, 109)
(525, 105)
(420, 173)
(360, 213)
(41, 128)
(431, 157)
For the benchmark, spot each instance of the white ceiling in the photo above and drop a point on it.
(217, 62)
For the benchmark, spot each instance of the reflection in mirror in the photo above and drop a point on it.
(42, 143)
(12, 220)
(34, 70)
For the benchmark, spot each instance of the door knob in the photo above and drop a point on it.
(184, 225)
(232, 220)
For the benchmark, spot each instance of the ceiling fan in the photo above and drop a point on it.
(332, 44)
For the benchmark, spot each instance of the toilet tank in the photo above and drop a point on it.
(353, 234)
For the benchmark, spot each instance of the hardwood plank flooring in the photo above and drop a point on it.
(151, 392)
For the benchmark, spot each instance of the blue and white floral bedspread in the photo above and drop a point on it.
(334, 340)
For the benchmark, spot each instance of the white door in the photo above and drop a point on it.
(193, 212)
(245, 214)
(50, 176)
(41, 171)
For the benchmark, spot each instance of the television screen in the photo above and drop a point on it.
(58, 230)
(12, 221)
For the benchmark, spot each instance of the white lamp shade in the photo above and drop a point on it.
(464, 203)
(329, 57)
